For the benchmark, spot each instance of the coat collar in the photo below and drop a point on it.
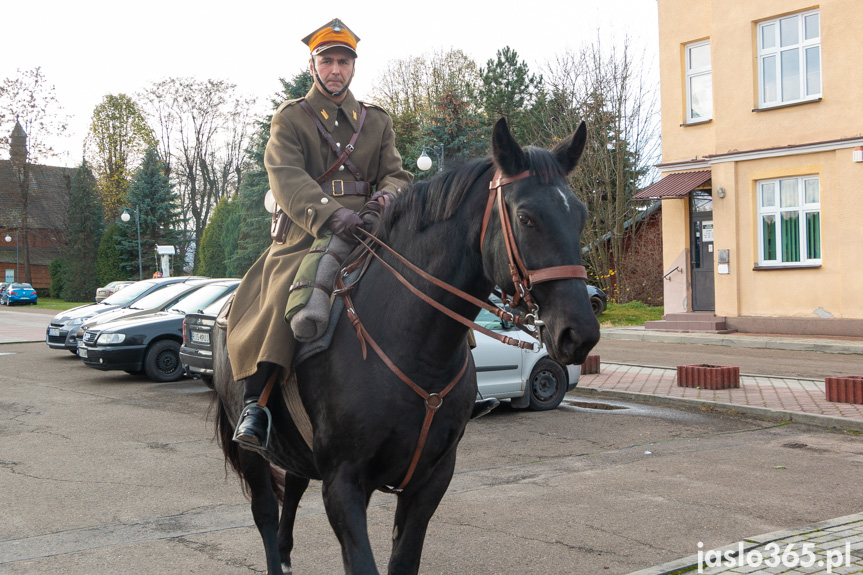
(328, 112)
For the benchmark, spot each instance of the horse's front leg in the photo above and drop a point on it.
(265, 506)
(346, 500)
(294, 489)
(414, 510)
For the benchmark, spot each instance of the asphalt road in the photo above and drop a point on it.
(104, 473)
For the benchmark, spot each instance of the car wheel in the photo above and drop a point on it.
(596, 304)
(162, 362)
(547, 385)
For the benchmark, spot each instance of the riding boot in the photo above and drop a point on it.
(483, 406)
(253, 428)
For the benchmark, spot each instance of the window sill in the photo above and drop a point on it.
(698, 123)
(789, 105)
(758, 268)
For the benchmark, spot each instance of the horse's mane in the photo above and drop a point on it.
(439, 198)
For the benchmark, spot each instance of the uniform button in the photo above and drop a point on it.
(342, 168)
(325, 200)
(338, 145)
(310, 211)
(337, 122)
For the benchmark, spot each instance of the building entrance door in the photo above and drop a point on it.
(701, 250)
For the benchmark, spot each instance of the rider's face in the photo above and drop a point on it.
(335, 68)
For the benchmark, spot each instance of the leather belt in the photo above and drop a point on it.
(338, 188)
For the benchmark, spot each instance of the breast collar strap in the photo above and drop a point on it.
(523, 279)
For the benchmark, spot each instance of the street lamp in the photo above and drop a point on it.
(9, 239)
(126, 217)
(424, 162)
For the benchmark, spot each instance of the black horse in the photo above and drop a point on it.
(366, 420)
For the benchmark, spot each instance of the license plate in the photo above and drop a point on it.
(82, 352)
(200, 337)
(54, 331)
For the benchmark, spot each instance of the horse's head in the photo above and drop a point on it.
(546, 220)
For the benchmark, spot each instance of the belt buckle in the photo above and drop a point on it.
(340, 192)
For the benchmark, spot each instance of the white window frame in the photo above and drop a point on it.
(777, 210)
(775, 52)
(695, 73)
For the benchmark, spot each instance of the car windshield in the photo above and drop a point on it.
(20, 286)
(200, 298)
(128, 294)
(215, 307)
(161, 296)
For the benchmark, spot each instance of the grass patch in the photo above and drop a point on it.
(58, 304)
(627, 314)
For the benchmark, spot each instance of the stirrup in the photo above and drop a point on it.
(239, 440)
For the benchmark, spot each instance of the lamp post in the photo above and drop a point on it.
(126, 217)
(9, 239)
(424, 162)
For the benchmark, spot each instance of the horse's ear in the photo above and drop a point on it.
(507, 154)
(569, 151)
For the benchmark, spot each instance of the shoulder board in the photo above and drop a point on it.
(287, 103)
(374, 107)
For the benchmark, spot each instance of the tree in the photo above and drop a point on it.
(253, 228)
(108, 258)
(214, 248)
(508, 90)
(611, 93)
(204, 133)
(115, 145)
(29, 111)
(83, 234)
(158, 208)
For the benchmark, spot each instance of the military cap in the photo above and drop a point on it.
(332, 35)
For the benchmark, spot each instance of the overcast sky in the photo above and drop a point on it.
(90, 48)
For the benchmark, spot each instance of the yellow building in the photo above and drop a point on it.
(762, 164)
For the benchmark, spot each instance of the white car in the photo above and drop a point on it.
(110, 289)
(527, 378)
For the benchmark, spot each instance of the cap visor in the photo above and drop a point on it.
(326, 47)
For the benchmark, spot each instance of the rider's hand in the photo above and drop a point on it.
(344, 223)
(378, 202)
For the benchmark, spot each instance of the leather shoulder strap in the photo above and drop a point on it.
(342, 153)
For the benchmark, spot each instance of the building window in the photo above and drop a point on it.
(789, 59)
(699, 82)
(789, 214)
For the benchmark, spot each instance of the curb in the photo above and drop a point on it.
(689, 564)
(760, 412)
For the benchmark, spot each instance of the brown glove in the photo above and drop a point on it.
(378, 202)
(344, 223)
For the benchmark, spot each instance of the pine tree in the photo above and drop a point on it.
(214, 248)
(108, 258)
(508, 91)
(158, 208)
(83, 233)
(254, 229)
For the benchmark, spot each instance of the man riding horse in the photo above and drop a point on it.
(327, 157)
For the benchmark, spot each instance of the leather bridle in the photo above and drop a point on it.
(523, 280)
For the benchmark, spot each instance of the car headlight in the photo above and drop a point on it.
(110, 338)
(74, 323)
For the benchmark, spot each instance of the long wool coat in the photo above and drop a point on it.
(296, 155)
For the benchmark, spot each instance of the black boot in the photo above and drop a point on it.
(483, 406)
(253, 427)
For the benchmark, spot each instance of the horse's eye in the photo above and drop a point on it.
(525, 220)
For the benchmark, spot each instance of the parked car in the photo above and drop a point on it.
(111, 289)
(196, 353)
(527, 378)
(153, 302)
(148, 344)
(62, 332)
(18, 293)
(598, 301)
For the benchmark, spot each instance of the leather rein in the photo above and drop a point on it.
(523, 280)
